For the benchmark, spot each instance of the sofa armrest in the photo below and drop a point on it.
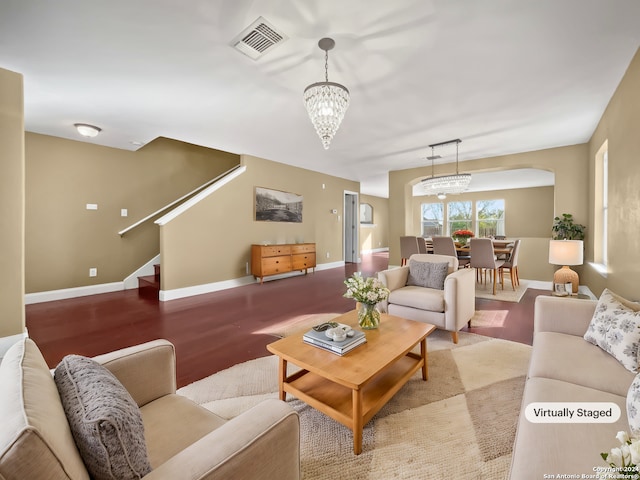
(459, 298)
(562, 315)
(147, 371)
(262, 443)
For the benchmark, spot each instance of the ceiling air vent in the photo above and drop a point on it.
(258, 38)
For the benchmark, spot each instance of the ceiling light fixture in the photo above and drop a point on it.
(87, 130)
(326, 102)
(445, 184)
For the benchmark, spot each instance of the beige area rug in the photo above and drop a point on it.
(485, 290)
(459, 424)
(489, 318)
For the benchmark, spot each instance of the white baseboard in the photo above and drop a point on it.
(65, 293)
(166, 295)
(375, 250)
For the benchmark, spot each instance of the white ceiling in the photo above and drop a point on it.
(505, 76)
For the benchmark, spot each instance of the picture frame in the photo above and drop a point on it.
(277, 206)
(559, 290)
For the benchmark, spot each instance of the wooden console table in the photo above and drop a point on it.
(276, 259)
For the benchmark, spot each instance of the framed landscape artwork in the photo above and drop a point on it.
(277, 206)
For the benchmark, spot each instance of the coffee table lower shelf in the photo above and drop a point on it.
(353, 407)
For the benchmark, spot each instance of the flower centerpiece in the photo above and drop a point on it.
(368, 292)
(462, 236)
(623, 460)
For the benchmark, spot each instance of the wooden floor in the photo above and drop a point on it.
(213, 331)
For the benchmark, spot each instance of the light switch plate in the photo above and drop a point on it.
(93, 272)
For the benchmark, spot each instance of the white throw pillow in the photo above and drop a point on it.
(615, 327)
(633, 407)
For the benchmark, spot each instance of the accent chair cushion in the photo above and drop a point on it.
(105, 421)
(427, 274)
(615, 327)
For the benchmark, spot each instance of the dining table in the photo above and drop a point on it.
(500, 247)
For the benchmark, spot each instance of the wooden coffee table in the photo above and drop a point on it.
(352, 388)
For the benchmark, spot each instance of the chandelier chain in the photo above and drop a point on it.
(326, 65)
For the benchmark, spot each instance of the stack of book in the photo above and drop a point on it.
(319, 339)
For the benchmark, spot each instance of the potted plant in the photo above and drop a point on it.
(462, 236)
(565, 229)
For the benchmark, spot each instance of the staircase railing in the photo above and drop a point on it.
(221, 179)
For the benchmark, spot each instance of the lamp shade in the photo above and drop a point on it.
(565, 252)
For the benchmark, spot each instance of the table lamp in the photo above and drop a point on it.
(565, 253)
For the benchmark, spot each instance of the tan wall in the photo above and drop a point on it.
(528, 216)
(64, 239)
(619, 125)
(569, 165)
(211, 242)
(12, 320)
(375, 236)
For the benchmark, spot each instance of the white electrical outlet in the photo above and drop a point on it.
(327, 254)
(246, 268)
(123, 212)
(92, 206)
(93, 272)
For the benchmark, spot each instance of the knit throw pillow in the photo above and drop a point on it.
(615, 327)
(427, 274)
(105, 421)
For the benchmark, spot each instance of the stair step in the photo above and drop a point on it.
(149, 281)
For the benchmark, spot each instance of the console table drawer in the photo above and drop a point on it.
(303, 261)
(273, 265)
(275, 250)
(303, 248)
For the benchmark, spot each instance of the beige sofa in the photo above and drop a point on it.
(184, 440)
(566, 368)
(449, 309)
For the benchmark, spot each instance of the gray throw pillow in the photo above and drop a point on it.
(427, 274)
(105, 420)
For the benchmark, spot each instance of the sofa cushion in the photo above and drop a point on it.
(421, 298)
(633, 407)
(427, 274)
(566, 448)
(105, 421)
(615, 327)
(572, 359)
(33, 421)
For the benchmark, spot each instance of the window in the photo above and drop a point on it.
(490, 218)
(432, 216)
(459, 216)
(601, 208)
(366, 213)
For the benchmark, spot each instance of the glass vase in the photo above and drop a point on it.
(368, 316)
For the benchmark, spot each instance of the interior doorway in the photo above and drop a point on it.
(351, 227)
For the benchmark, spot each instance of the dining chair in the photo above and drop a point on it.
(512, 265)
(422, 245)
(446, 246)
(482, 257)
(408, 246)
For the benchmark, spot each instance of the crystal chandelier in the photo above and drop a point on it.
(326, 101)
(445, 184)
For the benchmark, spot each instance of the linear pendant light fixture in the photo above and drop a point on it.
(326, 102)
(445, 184)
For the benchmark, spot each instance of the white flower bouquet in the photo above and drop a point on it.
(368, 291)
(623, 460)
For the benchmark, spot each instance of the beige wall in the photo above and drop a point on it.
(619, 125)
(528, 216)
(569, 165)
(211, 242)
(375, 236)
(64, 239)
(12, 321)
